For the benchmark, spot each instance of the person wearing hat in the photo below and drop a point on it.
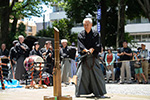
(138, 68)
(12, 56)
(144, 54)
(109, 59)
(125, 54)
(36, 50)
(48, 56)
(22, 52)
(65, 62)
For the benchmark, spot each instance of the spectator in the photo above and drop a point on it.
(35, 50)
(47, 55)
(109, 59)
(144, 54)
(118, 65)
(65, 62)
(12, 55)
(138, 70)
(125, 54)
(102, 57)
(22, 52)
(4, 55)
(72, 55)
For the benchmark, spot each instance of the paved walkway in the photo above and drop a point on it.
(114, 91)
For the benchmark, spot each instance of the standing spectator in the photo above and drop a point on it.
(4, 54)
(109, 59)
(22, 52)
(47, 54)
(118, 66)
(138, 69)
(65, 62)
(72, 55)
(125, 54)
(35, 50)
(12, 55)
(132, 65)
(144, 54)
(102, 57)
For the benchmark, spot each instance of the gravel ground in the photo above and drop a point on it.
(128, 89)
(115, 91)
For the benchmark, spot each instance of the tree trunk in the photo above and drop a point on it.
(13, 29)
(121, 23)
(145, 5)
(103, 21)
(4, 4)
(118, 26)
(13, 26)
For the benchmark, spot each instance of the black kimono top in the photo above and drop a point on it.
(21, 51)
(72, 52)
(48, 58)
(64, 52)
(12, 53)
(4, 53)
(35, 52)
(87, 41)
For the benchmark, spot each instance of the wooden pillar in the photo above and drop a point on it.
(57, 72)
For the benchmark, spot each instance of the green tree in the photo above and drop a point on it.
(49, 32)
(77, 10)
(15, 10)
(113, 18)
(145, 5)
(64, 26)
(19, 31)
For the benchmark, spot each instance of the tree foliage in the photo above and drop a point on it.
(77, 10)
(15, 10)
(49, 32)
(19, 31)
(64, 26)
(145, 5)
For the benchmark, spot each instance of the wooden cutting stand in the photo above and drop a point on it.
(57, 72)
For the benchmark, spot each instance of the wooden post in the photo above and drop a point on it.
(57, 72)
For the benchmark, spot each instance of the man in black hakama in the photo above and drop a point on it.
(65, 62)
(90, 77)
(22, 52)
(12, 55)
(48, 56)
(72, 54)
